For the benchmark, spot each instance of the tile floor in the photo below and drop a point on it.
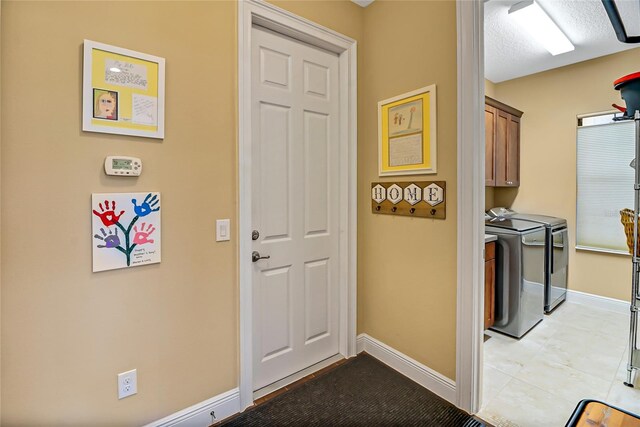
(576, 352)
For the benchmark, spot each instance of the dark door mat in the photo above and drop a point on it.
(361, 392)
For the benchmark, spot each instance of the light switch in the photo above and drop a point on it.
(222, 230)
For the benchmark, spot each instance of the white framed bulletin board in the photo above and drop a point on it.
(407, 133)
(123, 91)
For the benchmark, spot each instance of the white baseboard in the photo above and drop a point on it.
(199, 415)
(597, 301)
(410, 368)
(226, 404)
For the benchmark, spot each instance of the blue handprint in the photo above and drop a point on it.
(110, 240)
(147, 206)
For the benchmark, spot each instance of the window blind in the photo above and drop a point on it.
(605, 184)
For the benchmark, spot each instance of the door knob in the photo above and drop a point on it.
(255, 256)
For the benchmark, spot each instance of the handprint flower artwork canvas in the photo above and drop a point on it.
(125, 230)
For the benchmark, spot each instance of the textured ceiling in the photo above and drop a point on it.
(511, 53)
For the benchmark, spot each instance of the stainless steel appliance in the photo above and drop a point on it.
(519, 274)
(556, 262)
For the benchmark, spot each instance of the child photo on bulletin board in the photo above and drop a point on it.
(105, 104)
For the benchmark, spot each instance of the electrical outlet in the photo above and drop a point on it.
(127, 383)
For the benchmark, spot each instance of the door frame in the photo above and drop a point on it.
(286, 23)
(470, 240)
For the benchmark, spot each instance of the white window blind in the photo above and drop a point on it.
(605, 184)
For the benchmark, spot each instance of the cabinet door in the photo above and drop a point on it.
(502, 130)
(507, 149)
(489, 293)
(512, 171)
(489, 145)
(489, 284)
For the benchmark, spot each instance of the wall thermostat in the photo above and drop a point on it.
(122, 166)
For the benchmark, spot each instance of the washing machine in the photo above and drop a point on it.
(520, 261)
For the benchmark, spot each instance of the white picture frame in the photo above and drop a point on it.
(410, 146)
(126, 230)
(123, 91)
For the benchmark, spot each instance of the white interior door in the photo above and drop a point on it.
(295, 202)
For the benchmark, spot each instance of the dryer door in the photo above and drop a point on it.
(559, 264)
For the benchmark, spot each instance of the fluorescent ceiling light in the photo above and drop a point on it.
(530, 15)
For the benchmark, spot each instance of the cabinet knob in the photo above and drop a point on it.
(510, 182)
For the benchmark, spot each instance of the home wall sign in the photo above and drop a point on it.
(424, 199)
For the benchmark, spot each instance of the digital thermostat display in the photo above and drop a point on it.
(122, 166)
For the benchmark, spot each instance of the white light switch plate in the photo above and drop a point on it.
(223, 231)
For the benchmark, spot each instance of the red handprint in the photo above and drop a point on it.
(141, 237)
(107, 214)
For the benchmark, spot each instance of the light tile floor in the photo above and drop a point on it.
(577, 352)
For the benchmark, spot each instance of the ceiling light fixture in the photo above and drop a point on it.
(529, 14)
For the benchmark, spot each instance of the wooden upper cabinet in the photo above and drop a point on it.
(502, 144)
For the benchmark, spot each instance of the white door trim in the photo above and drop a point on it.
(470, 294)
(284, 22)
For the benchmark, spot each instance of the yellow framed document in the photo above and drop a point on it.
(407, 133)
(123, 91)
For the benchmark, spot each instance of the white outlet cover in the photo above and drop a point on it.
(127, 383)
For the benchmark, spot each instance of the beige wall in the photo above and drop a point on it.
(550, 101)
(407, 266)
(489, 88)
(67, 332)
(342, 16)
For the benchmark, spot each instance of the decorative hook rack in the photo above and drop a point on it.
(423, 199)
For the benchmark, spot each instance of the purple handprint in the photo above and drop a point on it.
(147, 206)
(110, 240)
(142, 236)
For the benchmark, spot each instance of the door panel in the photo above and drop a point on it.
(316, 153)
(317, 293)
(274, 302)
(275, 193)
(295, 197)
(274, 67)
(316, 79)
